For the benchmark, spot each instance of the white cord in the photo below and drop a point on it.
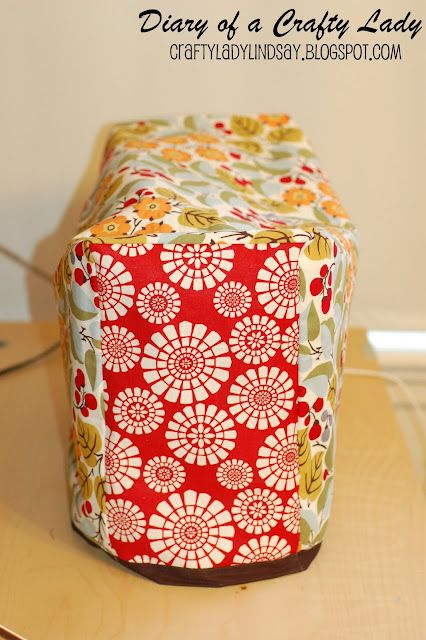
(405, 389)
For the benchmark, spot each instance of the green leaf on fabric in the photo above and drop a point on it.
(189, 123)
(79, 313)
(324, 494)
(305, 532)
(320, 535)
(313, 323)
(90, 365)
(304, 447)
(329, 455)
(311, 477)
(199, 218)
(189, 238)
(89, 440)
(325, 369)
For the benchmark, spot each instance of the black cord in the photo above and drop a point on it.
(29, 361)
(45, 276)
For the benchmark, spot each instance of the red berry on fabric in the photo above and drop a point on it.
(307, 169)
(316, 286)
(300, 181)
(235, 155)
(285, 179)
(301, 392)
(84, 411)
(86, 508)
(323, 271)
(303, 409)
(79, 250)
(315, 431)
(79, 379)
(79, 276)
(96, 301)
(330, 278)
(307, 420)
(90, 401)
(94, 283)
(77, 397)
(219, 125)
(326, 302)
(335, 250)
(325, 474)
(318, 404)
(89, 268)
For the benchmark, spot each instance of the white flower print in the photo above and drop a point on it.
(197, 267)
(234, 474)
(131, 249)
(261, 398)
(257, 510)
(138, 411)
(126, 522)
(278, 459)
(263, 549)
(186, 363)
(291, 517)
(290, 343)
(115, 286)
(277, 284)
(120, 349)
(201, 434)
(232, 299)
(145, 559)
(122, 463)
(255, 339)
(158, 302)
(191, 530)
(163, 474)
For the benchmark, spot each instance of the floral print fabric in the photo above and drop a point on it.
(204, 310)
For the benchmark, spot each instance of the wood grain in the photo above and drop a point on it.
(368, 582)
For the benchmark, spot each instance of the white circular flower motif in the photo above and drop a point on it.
(145, 559)
(138, 411)
(197, 267)
(131, 249)
(261, 398)
(232, 299)
(158, 302)
(164, 474)
(257, 510)
(192, 530)
(115, 286)
(120, 349)
(186, 363)
(277, 284)
(291, 517)
(278, 459)
(255, 339)
(201, 435)
(234, 474)
(126, 522)
(263, 549)
(122, 463)
(290, 343)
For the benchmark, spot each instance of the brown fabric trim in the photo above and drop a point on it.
(221, 576)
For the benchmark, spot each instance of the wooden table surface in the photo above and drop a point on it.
(368, 581)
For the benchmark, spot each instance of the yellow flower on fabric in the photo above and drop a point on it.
(116, 226)
(274, 120)
(299, 196)
(152, 207)
(139, 144)
(334, 208)
(174, 139)
(175, 154)
(326, 189)
(211, 154)
(158, 227)
(204, 138)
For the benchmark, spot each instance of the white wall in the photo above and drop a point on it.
(67, 69)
